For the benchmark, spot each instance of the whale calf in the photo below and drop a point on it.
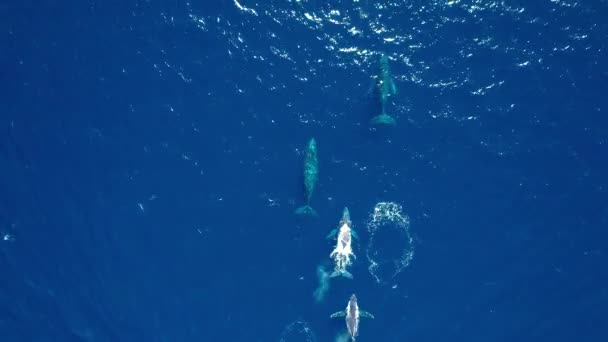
(352, 315)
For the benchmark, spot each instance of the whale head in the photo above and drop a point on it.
(345, 217)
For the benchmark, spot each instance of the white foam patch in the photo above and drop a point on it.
(343, 251)
(245, 9)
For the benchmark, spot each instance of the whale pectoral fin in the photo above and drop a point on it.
(365, 314)
(393, 87)
(354, 234)
(338, 314)
(332, 234)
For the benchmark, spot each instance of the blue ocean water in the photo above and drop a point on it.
(152, 154)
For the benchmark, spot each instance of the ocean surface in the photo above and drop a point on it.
(152, 154)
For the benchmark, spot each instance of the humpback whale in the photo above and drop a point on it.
(311, 175)
(386, 88)
(352, 316)
(343, 250)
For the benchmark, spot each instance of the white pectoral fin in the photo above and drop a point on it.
(338, 314)
(365, 314)
(354, 234)
(393, 87)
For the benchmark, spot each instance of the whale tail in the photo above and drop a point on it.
(383, 119)
(306, 210)
(343, 273)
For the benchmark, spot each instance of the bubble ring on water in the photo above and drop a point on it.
(384, 215)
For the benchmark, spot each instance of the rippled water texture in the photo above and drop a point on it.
(487, 54)
(152, 158)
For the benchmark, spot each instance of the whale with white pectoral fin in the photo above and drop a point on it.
(352, 316)
(343, 251)
(311, 175)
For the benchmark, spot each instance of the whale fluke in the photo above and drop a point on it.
(343, 273)
(383, 119)
(306, 210)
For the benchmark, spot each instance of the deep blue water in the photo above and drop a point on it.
(152, 153)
